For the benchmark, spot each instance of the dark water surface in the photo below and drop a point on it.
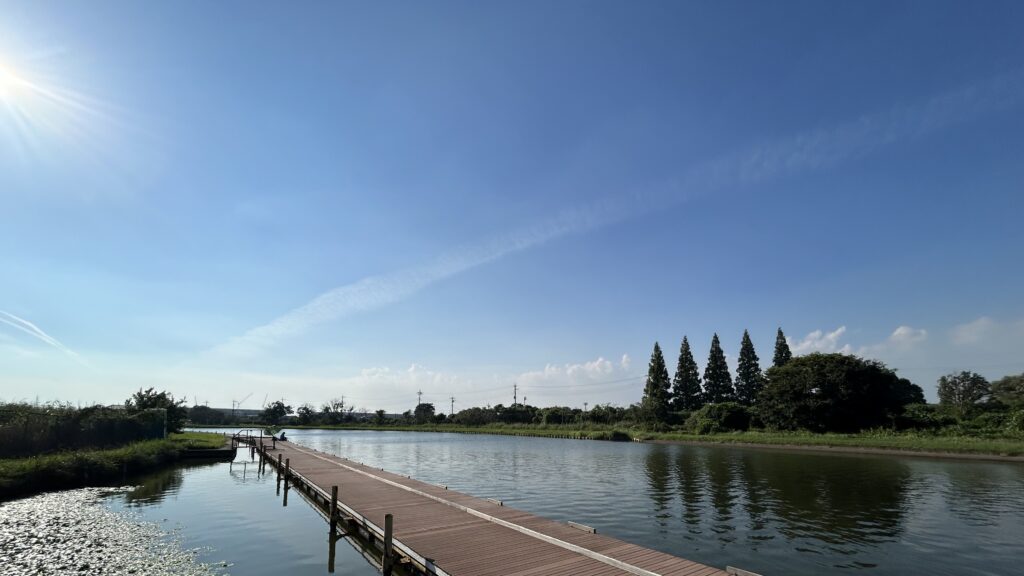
(770, 511)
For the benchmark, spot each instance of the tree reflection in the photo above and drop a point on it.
(658, 470)
(836, 501)
(153, 488)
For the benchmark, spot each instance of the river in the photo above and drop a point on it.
(774, 512)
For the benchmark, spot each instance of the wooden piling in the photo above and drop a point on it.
(334, 509)
(387, 561)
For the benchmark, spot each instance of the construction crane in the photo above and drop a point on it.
(238, 404)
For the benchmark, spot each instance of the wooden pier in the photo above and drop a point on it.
(428, 529)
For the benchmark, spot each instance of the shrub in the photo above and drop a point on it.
(924, 417)
(721, 417)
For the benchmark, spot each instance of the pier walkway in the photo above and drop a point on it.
(444, 532)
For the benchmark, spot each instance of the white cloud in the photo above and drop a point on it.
(973, 332)
(819, 341)
(902, 340)
(908, 335)
(625, 362)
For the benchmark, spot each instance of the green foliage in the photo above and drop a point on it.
(205, 415)
(920, 416)
(423, 413)
(66, 470)
(275, 412)
(151, 399)
(1009, 390)
(833, 392)
(306, 414)
(686, 391)
(962, 392)
(749, 379)
(717, 380)
(378, 417)
(474, 417)
(782, 353)
(717, 418)
(27, 429)
(656, 390)
(560, 415)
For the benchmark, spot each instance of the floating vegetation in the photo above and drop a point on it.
(75, 532)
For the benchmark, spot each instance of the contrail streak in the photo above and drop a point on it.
(377, 291)
(33, 330)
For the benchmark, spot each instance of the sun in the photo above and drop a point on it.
(13, 87)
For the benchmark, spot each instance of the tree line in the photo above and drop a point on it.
(816, 392)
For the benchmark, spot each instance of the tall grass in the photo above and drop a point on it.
(27, 429)
(25, 476)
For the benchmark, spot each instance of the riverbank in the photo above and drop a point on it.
(60, 471)
(905, 443)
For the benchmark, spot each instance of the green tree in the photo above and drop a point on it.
(717, 380)
(1009, 390)
(378, 417)
(275, 411)
(656, 390)
(147, 399)
(782, 353)
(205, 415)
(686, 392)
(423, 413)
(306, 413)
(961, 392)
(749, 379)
(834, 393)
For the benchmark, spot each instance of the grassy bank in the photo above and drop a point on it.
(874, 440)
(65, 470)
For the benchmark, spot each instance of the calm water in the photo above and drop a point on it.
(773, 512)
(237, 523)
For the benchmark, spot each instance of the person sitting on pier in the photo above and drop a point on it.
(282, 438)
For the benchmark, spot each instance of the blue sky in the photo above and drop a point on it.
(313, 200)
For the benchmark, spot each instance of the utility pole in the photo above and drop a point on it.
(584, 406)
(515, 394)
(451, 412)
(419, 397)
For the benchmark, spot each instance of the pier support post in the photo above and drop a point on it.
(387, 562)
(279, 472)
(334, 509)
(287, 472)
(332, 544)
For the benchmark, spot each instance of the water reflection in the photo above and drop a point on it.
(152, 488)
(839, 506)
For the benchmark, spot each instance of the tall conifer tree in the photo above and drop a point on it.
(686, 392)
(782, 353)
(656, 391)
(749, 379)
(717, 380)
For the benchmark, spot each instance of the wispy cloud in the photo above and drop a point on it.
(377, 291)
(805, 151)
(821, 148)
(34, 331)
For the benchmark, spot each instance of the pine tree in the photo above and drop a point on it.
(749, 379)
(656, 391)
(717, 380)
(686, 392)
(782, 353)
